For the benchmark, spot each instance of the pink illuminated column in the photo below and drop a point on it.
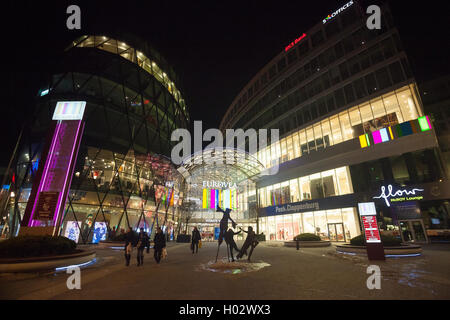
(50, 190)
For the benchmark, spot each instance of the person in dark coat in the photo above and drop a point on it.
(195, 239)
(143, 242)
(250, 241)
(230, 241)
(129, 239)
(159, 244)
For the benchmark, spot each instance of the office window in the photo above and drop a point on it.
(399, 169)
(343, 180)
(390, 103)
(281, 64)
(347, 130)
(292, 56)
(364, 59)
(396, 72)
(336, 129)
(407, 105)
(344, 70)
(360, 88)
(272, 71)
(383, 78)
(317, 38)
(349, 94)
(303, 49)
(310, 138)
(326, 133)
(306, 115)
(371, 83)
(332, 28)
(303, 142)
(296, 144)
(299, 115)
(339, 49)
(318, 137)
(348, 44)
(330, 102)
(339, 98)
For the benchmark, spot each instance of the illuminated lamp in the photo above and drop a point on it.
(424, 123)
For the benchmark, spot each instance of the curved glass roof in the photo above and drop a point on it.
(222, 165)
(135, 56)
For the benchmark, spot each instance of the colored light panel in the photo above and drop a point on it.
(384, 135)
(424, 123)
(213, 199)
(376, 137)
(69, 110)
(363, 141)
(204, 198)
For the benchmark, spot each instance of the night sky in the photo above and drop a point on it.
(216, 47)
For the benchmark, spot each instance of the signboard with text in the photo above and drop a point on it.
(368, 214)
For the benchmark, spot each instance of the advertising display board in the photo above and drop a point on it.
(72, 230)
(368, 213)
(100, 230)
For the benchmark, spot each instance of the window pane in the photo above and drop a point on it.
(336, 128)
(407, 105)
(296, 143)
(391, 105)
(343, 180)
(345, 125)
(326, 131)
(303, 142)
(295, 192)
(318, 137)
(310, 137)
(304, 188)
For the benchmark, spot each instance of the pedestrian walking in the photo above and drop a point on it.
(195, 239)
(129, 239)
(143, 242)
(159, 244)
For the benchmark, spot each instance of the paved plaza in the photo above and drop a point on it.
(310, 273)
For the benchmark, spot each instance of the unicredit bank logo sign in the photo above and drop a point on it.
(334, 14)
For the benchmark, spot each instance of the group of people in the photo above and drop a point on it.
(142, 242)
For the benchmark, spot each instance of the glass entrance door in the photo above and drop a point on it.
(412, 231)
(336, 232)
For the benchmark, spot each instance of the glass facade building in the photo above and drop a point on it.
(123, 176)
(335, 94)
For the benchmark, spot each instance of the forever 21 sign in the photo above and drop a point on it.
(390, 195)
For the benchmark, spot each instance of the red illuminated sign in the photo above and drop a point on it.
(371, 229)
(293, 43)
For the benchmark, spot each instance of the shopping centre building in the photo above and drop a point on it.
(121, 175)
(352, 129)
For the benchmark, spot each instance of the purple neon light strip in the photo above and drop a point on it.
(429, 122)
(61, 194)
(33, 223)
